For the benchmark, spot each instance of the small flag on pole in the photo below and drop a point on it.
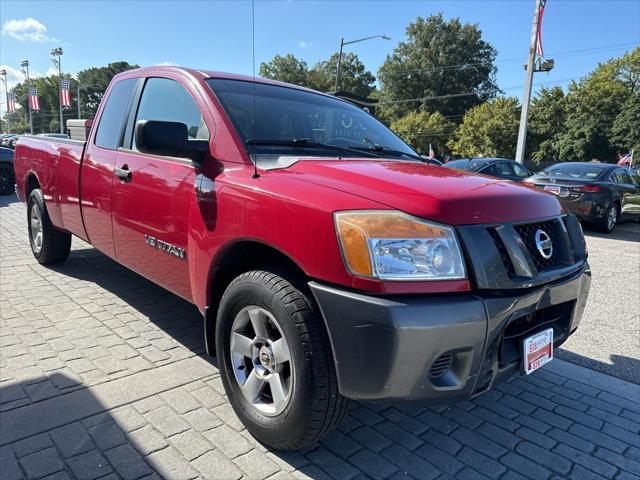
(11, 102)
(431, 152)
(34, 101)
(65, 94)
(626, 160)
(539, 50)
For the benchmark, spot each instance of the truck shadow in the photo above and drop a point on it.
(8, 200)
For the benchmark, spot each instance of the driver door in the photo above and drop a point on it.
(151, 203)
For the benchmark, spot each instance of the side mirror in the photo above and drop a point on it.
(169, 139)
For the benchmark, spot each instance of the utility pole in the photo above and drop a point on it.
(528, 83)
(3, 72)
(25, 64)
(78, 101)
(56, 55)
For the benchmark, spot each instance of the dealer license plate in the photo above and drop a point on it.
(552, 189)
(538, 350)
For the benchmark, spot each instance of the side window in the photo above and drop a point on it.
(520, 170)
(167, 100)
(620, 176)
(635, 179)
(113, 114)
(500, 169)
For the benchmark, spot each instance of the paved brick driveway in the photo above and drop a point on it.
(102, 376)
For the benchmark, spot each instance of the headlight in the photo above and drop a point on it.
(394, 246)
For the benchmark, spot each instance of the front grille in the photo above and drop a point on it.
(527, 233)
(502, 250)
(441, 365)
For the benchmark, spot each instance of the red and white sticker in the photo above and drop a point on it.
(538, 350)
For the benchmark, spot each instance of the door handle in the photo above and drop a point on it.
(123, 173)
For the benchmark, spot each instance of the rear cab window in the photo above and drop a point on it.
(110, 128)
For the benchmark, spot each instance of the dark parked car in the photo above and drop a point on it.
(494, 167)
(599, 193)
(7, 178)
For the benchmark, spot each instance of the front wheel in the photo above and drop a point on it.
(48, 244)
(276, 363)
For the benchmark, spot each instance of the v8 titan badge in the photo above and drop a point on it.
(538, 350)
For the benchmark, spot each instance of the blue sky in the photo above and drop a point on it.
(217, 34)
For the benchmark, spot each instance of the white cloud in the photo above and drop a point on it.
(26, 30)
(303, 44)
(167, 64)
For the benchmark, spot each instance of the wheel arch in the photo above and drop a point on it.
(236, 259)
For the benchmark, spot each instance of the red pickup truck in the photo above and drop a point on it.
(329, 262)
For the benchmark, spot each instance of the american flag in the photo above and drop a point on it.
(34, 101)
(65, 94)
(11, 102)
(539, 50)
(626, 160)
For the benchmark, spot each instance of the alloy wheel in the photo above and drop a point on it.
(261, 360)
(612, 218)
(35, 223)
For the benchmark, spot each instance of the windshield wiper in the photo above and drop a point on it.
(306, 143)
(389, 151)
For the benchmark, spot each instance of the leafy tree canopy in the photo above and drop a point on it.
(438, 58)
(593, 105)
(488, 130)
(547, 118)
(354, 77)
(421, 129)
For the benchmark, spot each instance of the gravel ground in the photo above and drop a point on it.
(608, 339)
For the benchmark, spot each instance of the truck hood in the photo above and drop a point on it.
(431, 192)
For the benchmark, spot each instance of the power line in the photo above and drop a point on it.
(462, 66)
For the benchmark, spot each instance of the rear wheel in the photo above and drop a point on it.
(48, 244)
(275, 362)
(7, 179)
(610, 219)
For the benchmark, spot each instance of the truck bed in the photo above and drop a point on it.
(55, 164)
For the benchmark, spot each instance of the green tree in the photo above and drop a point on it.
(94, 82)
(421, 129)
(625, 131)
(594, 103)
(354, 77)
(546, 124)
(438, 58)
(286, 69)
(488, 130)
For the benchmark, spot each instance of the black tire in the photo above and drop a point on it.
(605, 225)
(54, 245)
(7, 179)
(314, 406)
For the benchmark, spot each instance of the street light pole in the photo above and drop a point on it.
(342, 44)
(3, 72)
(78, 101)
(25, 64)
(57, 52)
(528, 83)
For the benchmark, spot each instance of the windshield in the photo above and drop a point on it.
(287, 118)
(575, 170)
